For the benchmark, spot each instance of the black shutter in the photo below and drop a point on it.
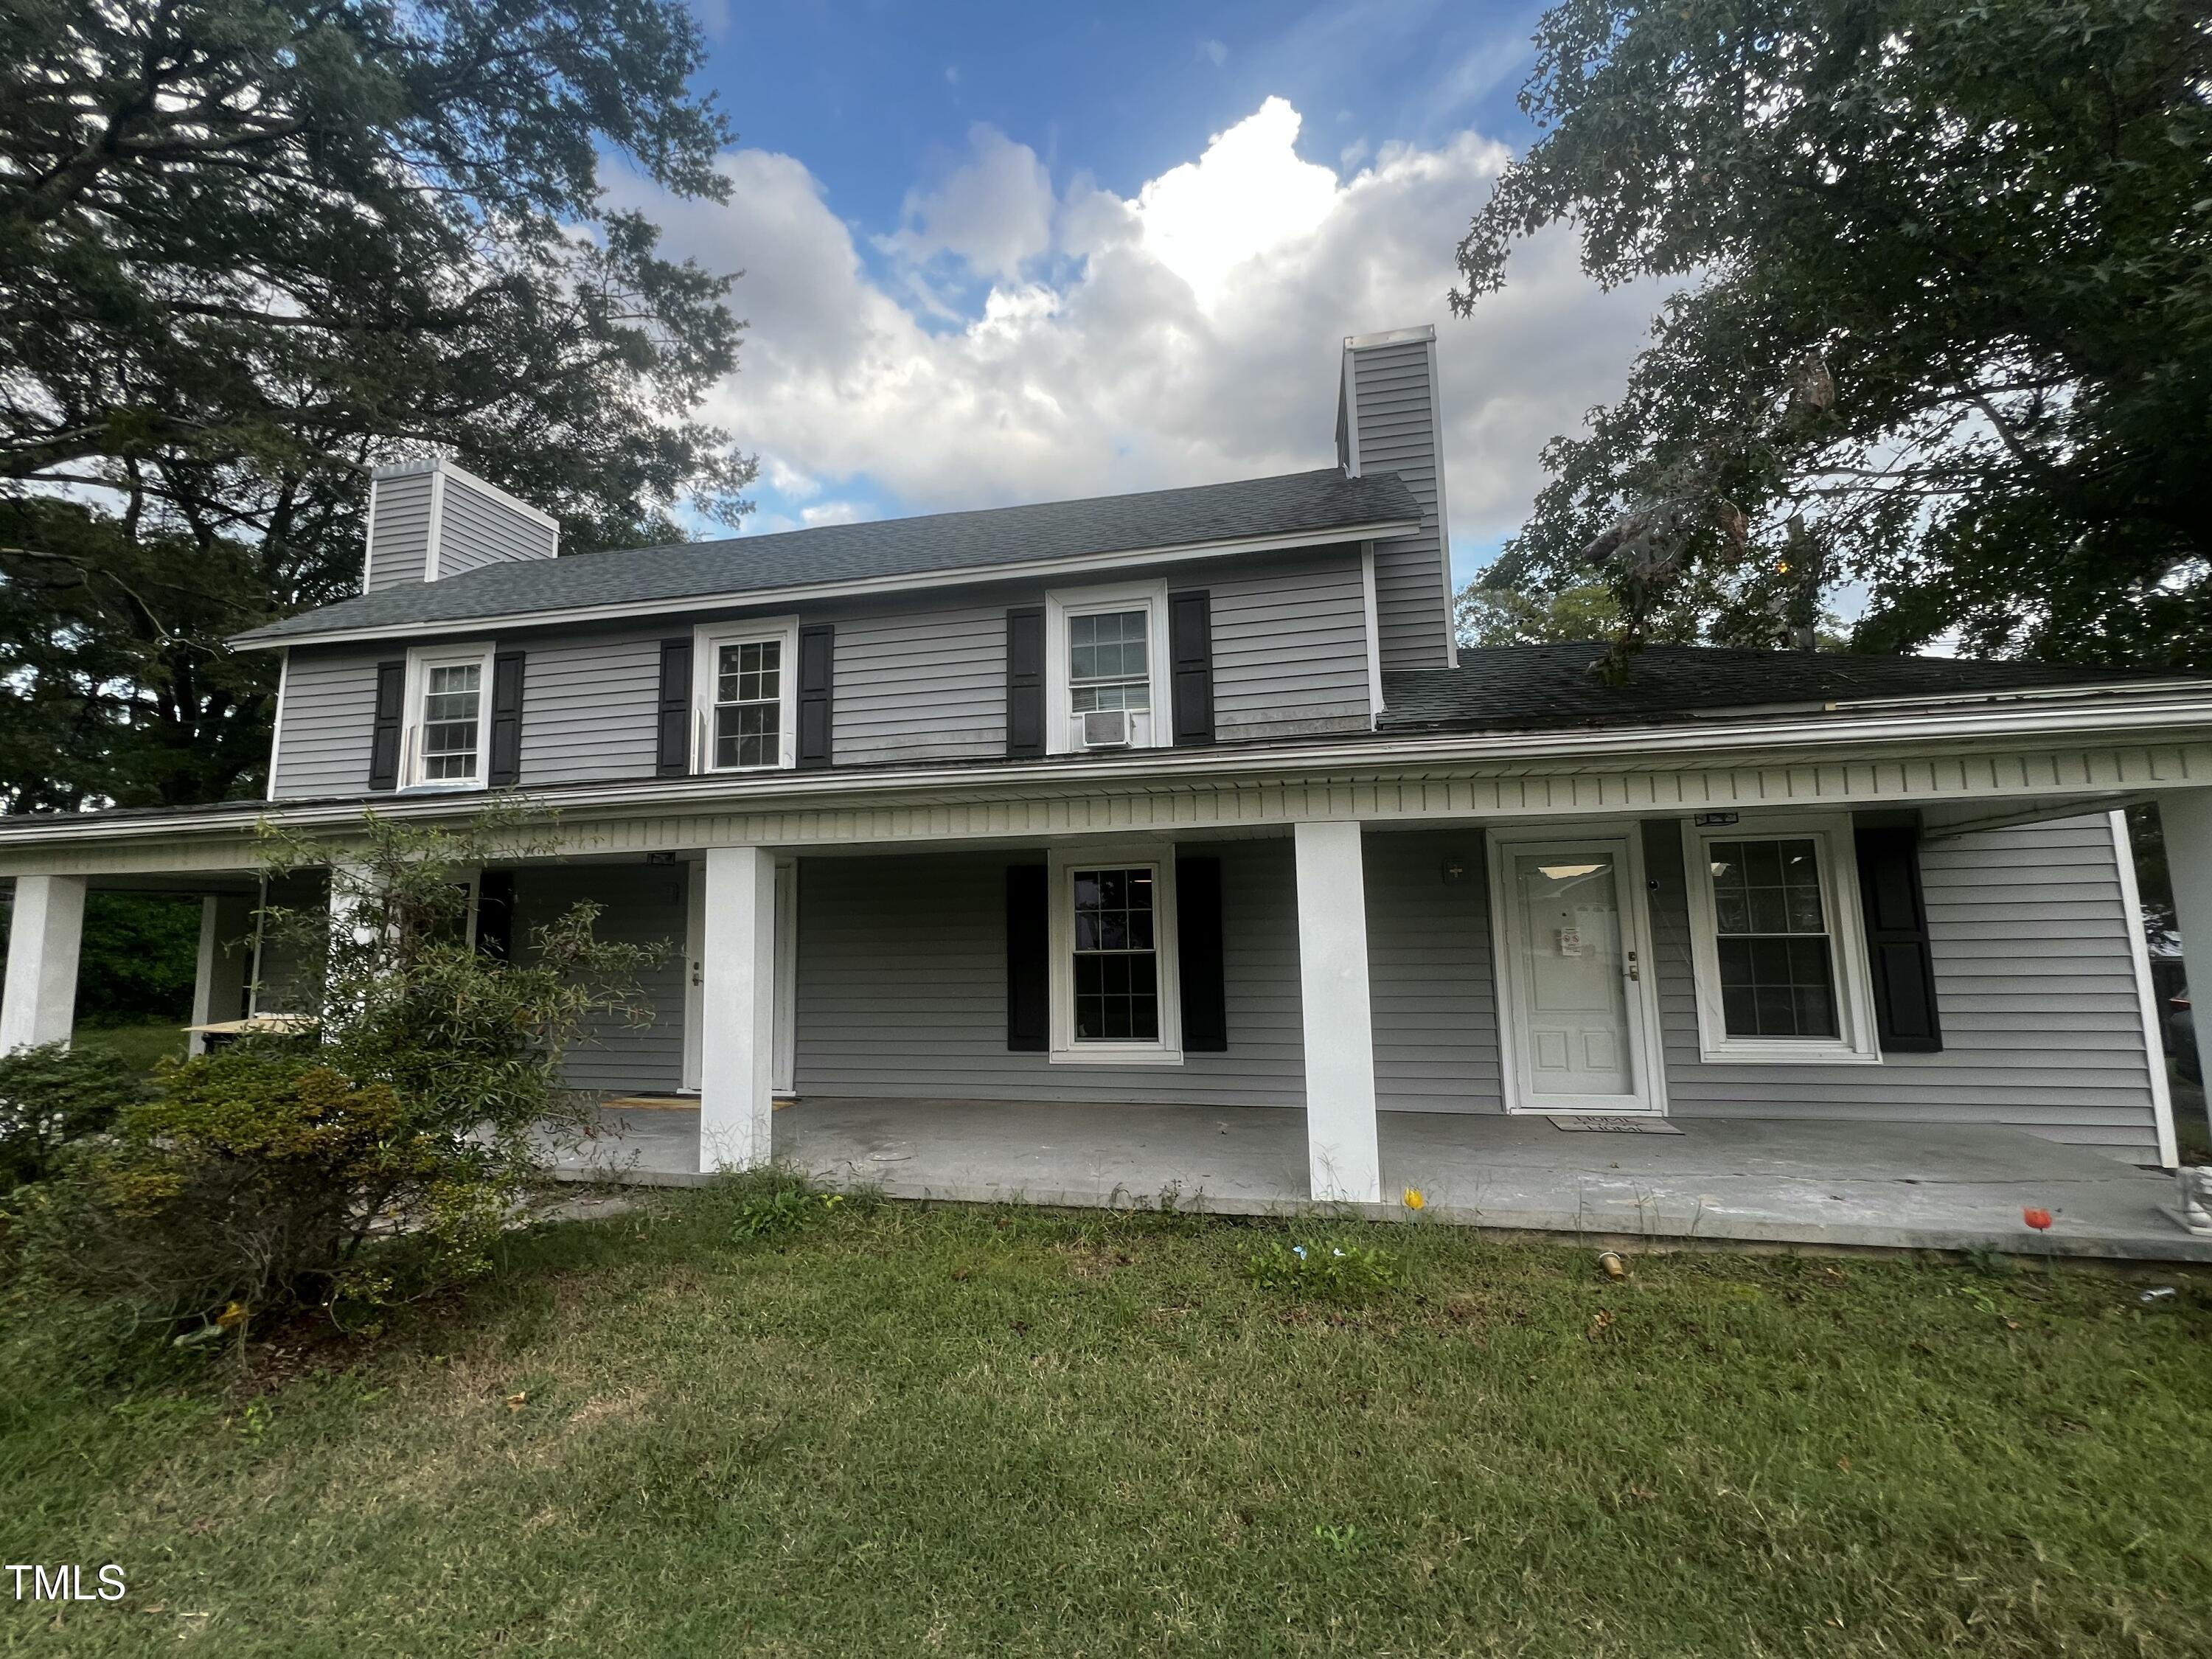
(496, 914)
(1190, 646)
(1029, 961)
(672, 758)
(1199, 955)
(506, 719)
(1904, 971)
(817, 654)
(1025, 681)
(384, 734)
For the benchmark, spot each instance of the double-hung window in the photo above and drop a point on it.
(744, 695)
(448, 723)
(1114, 987)
(1777, 941)
(1105, 650)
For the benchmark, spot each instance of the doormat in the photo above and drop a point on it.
(1617, 1126)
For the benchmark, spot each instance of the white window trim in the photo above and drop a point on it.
(707, 638)
(420, 660)
(1062, 864)
(1059, 606)
(1830, 834)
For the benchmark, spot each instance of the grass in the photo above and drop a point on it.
(731, 1421)
(142, 1044)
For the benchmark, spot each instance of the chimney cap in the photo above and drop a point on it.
(1392, 336)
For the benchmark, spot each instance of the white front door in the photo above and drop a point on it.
(787, 969)
(1574, 998)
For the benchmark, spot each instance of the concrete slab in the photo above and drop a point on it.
(1745, 1181)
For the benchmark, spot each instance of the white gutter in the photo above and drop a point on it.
(963, 576)
(1455, 751)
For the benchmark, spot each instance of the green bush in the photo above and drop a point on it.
(52, 1097)
(1328, 1271)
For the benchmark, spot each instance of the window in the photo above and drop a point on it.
(1114, 981)
(743, 692)
(1105, 647)
(449, 724)
(1779, 957)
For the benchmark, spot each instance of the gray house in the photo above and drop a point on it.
(1188, 798)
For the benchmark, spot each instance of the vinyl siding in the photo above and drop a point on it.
(2035, 985)
(902, 987)
(480, 529)
(399, 539)
(919, 684)
(283, 964)
(1431, 984)
(1391, 388)
(330, 705)
(644, 904)
(1290, 646)
(589, 706)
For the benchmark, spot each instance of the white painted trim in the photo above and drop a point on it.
(1443, 511)
(1390, 337)
(1372, 613)
(1344, 1163)
(1624, 840)
(737, 1070)
(437, 527)
(694, 969)
(368, 534)
(203, 976)
(1836, 851)
(708, 637)
(1063, 863)
(2161, 1091)
(733, 598)
(37, 997)
(1063, 603)
(1351, 395)
(420, 660)
(277, 725)
(787, 976)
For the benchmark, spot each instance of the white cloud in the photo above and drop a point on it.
(1214, 52)
(1185, 335)
(993, 211)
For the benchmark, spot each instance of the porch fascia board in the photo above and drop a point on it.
(1268, 791)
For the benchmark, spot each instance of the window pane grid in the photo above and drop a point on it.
(1108, 664)
(748, 703)
(1116, 967)
(451, 694)
(1777, 970)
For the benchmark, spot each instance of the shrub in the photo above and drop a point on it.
(52, 1097)
(1328, 1271)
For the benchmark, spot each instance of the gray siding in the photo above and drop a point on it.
(399, 535)
(322, 743)
(283, 964)
(589, 706)
(902, 987)
(925, 684)
(2035, 983)
(1429, 979)
(1397, 433)
(644, 904)
(480, 529)
(1290, 646)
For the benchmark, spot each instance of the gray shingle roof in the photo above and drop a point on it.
(1296, 503)
(1551, 686)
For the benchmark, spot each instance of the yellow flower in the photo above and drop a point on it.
(1414, 1199)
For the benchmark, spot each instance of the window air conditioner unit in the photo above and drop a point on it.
(1105, 728)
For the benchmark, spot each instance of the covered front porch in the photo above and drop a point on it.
(1749, 1181)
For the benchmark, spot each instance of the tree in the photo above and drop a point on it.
(1488, 615)
(1946, 328)
(249, 248)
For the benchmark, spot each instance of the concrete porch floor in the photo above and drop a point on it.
(1758, 1181)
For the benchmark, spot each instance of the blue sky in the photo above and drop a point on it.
(999, 253)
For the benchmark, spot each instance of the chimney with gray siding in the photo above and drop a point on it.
(1386, 421)
(430, 520)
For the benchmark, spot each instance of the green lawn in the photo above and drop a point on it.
(907, 1429)
(141, 1044)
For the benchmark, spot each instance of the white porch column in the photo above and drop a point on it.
(1345, 1162)
(226, 953)
(39, 1003)
(736, 1048)
(2186, 819)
